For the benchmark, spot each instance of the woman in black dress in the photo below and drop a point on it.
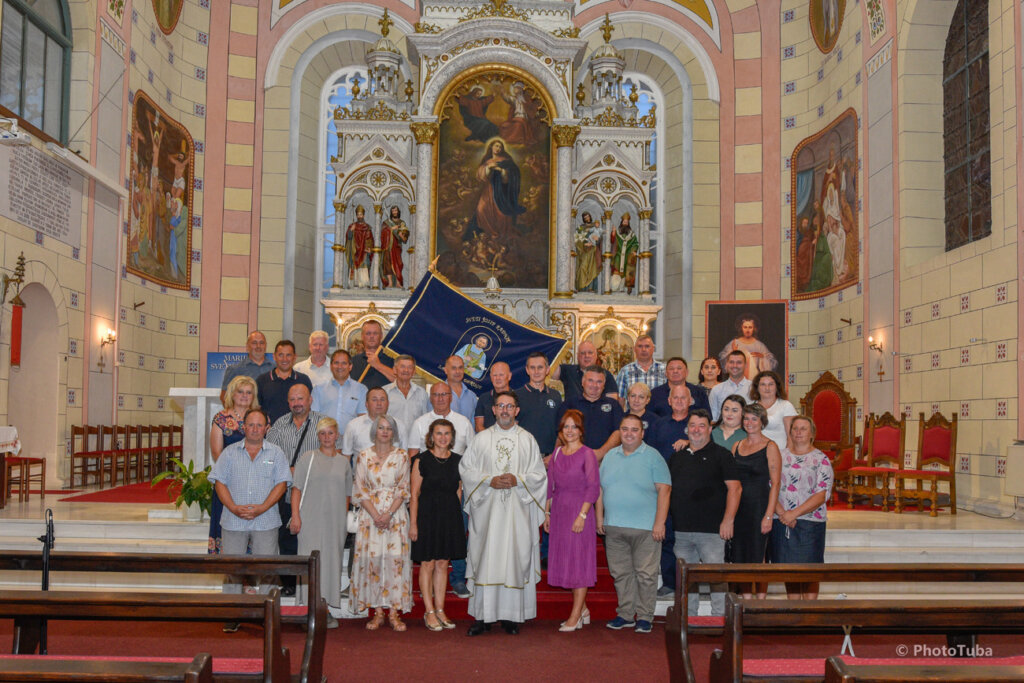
(759, 465)
(435, 512)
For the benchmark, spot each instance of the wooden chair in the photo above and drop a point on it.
(85, 454)
(884, 438)
(833, 411)
(23, 470)
(108, 454)
(936, 445)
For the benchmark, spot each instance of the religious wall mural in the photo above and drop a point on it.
(167, 14)
(756, 328)
(825, 254)
(494, 183)
(160, 226)
(826, 19)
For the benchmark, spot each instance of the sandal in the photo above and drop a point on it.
(437, 626)
(397, 624)
(375, 623)
(443, 618)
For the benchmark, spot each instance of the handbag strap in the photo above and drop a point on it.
(302, 437)
(302, 497)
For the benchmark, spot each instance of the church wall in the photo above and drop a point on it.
(959, 310)
(817, 89)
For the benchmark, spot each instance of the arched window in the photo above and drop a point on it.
(336, 93)
(35, 64)
(968, 186)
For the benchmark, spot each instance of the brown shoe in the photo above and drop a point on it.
(375, 623)
(397, 624)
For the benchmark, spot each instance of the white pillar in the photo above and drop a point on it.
(425, 133)
(375, 261)
(340, 258)
(564, 136)
(200, 405)
(606, 244)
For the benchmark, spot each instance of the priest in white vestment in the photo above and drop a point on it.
(505, 489)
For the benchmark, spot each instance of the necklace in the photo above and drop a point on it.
(441, 461)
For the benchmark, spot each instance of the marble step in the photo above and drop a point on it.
(910, 539)
(979, 555)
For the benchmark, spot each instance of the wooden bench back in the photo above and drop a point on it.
(315, 619)
(30, 608)
(58, 669)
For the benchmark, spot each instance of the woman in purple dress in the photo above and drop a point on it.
(573, 487)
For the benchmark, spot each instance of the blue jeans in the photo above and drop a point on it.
(694, 547)
(459, 566)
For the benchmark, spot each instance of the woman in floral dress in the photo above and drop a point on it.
(382, 568)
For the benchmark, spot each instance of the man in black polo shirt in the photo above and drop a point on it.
(705, 496)
(675, 373)
(601, 414)
(571, 374)
(273, 386)
(539, 404)
(371, 368)
(483, 416)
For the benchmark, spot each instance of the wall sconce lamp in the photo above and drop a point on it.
(109, 337)
(876, 345)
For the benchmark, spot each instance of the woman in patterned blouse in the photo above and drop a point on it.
(798, 531)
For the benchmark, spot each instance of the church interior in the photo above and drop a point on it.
(179, 173)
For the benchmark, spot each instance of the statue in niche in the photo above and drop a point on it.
(358, 248)
(394, 234)
(625, 246)
(588, 254)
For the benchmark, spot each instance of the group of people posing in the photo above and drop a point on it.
(660, 467)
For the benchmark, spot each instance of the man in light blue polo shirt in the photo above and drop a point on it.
(250, 476)
(635, 491)
(342, 398)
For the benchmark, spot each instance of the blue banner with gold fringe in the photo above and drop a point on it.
(440, 321)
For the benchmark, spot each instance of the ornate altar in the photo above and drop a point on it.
(517, 166)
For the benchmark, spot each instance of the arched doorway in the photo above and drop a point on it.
(34, 386)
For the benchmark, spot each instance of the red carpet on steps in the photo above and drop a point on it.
(132, 493)
(552, 603)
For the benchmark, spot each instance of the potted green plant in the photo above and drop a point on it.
(190, 487)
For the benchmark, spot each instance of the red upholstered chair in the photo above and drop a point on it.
(834, 412)
(884, 438)
(936, 454)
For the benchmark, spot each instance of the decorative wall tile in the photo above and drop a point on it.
(163, 326)
(821, 110)
(1001, 351)
(199, 109)
(193, 367)
(197, 256)
(860, 371)
(138, 403)
(135, 16)
(74, 299)
(936, 310)
(142, 361)
(821, 340)
(965, 409)
(857, 78)
(205, 4)
(202, 38)
(935, 409)
(908, 411)
(839, 95)
(163, 290)
(152, 37)
(71, 397)
(73, 347)
(120, 356)
(39, 238)
(860, 413)
(788, 15)
(789, 270)
(197, 184)
(120, 400)
(161, 364)
(149, 76)
(860, 330)
(142, 319)
(907, 365)
(790, 122)
(839, 374)
(76, 253)
(857, 38)
(965, 465)
(194, 292)
(791, 306)
(168, 95)
(965, 356)
(193, 330)
(792, 378)
(908, 460)
(1001, 408)
(123, 314)
(789, 88)
(1000, 294)
(821, 303)
(792, 342)
(860, 285)
(197, 221)
(965, 303)
(821, 74)
(788, 51)
(1000, 467)
(936, 360)
(839, 55)
(200, 73)
(839, 335)
(198, 146)
(908, 317)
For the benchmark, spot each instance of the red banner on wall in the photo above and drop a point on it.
(16, 312)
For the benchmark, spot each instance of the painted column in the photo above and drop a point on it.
(425, 133)
(606, 243)
(378, 217)
(643, 266)
(340, 259)
(564, 137)
(413, 273)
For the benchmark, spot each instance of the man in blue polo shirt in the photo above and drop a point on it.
(273, 386)
(601, 414)
(635, 491)
(539, 404)
(675, 373)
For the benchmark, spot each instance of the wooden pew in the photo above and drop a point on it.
(839, 671)
(30, 608)
(306, 567)
(679, 628)
(782, 617)
(58, 669)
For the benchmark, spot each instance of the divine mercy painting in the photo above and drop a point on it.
(494, 184)
(825, 252)
(159, 226)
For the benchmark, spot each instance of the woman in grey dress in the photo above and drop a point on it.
(320, 499)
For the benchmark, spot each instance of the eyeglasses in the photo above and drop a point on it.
(439, 394)
(505, 406)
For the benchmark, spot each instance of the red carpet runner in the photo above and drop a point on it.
(132, 493)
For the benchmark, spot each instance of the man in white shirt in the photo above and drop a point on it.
(342, 398)
(357, 434)
(406, 400)
(735, 383)
(316, 366)
(441, 401)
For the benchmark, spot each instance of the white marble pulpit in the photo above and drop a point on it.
(199, 405)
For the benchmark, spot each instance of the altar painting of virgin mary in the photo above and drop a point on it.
(493, 213)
